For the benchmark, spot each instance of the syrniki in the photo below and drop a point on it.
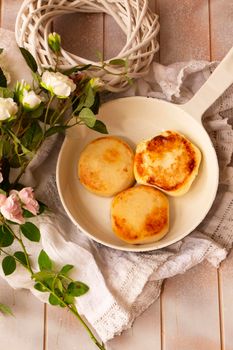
(168, 161)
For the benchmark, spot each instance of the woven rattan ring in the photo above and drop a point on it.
(139, 24)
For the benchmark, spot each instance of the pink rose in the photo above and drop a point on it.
(27, 197)
(11, 209)
(2, 199)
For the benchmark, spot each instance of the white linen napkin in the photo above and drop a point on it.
(123, 284)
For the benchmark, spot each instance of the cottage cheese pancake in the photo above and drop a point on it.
(169, 161)
(140, 215)
(106, 166)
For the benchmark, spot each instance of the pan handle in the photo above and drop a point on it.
(217, 83)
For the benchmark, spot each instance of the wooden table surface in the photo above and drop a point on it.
(195, 310)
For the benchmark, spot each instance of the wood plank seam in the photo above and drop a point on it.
(210, 34)
(161, 320)
(220, 304)
(219, 280)
(45, 328)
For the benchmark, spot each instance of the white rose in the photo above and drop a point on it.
(31, 100)
(8, 108)
(58, 84)
(1, 177)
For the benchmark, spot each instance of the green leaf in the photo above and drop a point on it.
(43, 276)
(53, 300)
(3, 81)
(76, 69)
(40, 288)
(6, 237)
(59, 286)
(76, 289)
(49, 281)
(21, 257)
(70, 70)
(90, 97)
(56, 129)
(44, 261)
(117, 62)
(27, 214)
(42, 207)
(8, 265)
(4, 309)
(88, 117)
(66, 269)
(30, 231)
(96, 104)
(100, 127)
(32, 136)
(30, 60)
(69, 299)
(5, 92)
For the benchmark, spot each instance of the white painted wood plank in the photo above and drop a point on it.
(65, 332)
(26, 329)
(226, 301)
(184, 32)
(190, 311)
(221, 15)
(9, 10)
(145, 333)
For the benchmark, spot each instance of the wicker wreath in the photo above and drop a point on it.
(139, 24)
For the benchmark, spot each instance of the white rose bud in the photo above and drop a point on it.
(96, 83)
(31, 100)
(58, 84)
(54, 41)
(8, 108)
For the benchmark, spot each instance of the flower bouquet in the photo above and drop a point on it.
(29, 114)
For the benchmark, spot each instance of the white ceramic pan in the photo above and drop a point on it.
(135, 119)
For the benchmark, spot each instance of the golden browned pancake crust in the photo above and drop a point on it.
(140, 215)
(106, 166)
(169, 161)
